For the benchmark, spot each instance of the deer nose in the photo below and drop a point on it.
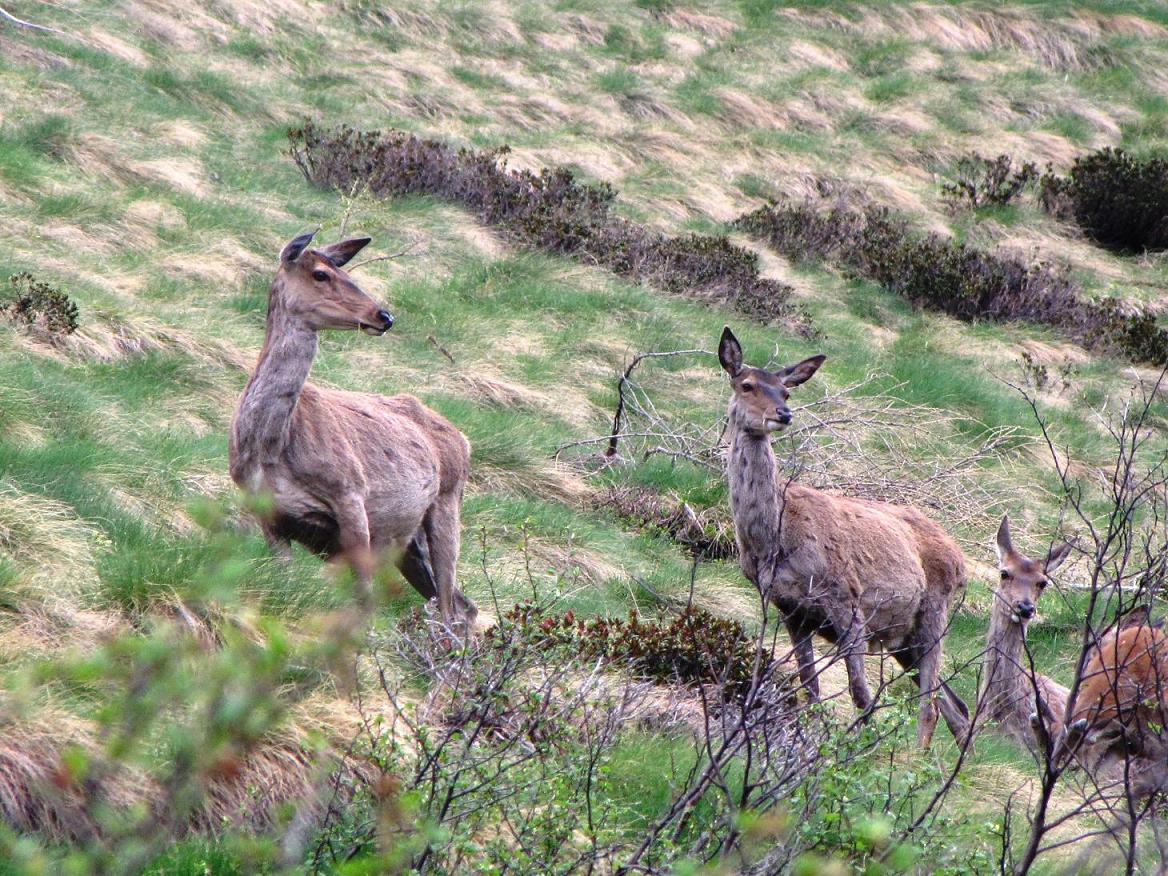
(386, 318)
(784, 417)
(1025, 609)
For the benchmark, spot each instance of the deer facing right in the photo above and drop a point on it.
(851, 570)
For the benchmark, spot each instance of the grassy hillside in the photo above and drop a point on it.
(144, 171)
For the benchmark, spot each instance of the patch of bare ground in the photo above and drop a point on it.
(102, 156)
(117, 47)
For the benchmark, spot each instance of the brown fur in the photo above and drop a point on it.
(1121, 709)
(1010, 694)
(851, 570)
(354, 475)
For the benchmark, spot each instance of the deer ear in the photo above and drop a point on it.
(1137, 617)
(295, 246)
(340, 253)
(730, 353)
(1002, 544)
(1057, 556)
(801, 373)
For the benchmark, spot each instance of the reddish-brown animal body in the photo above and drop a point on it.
(353, 475)
(853, 571)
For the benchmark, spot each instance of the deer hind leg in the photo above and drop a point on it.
(935, 694)
(416, 567)
(443, 529)
(804, 650)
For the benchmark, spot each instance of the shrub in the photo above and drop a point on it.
(963, 281)
(694, 647)
(549, 210)
(34, 302)
(707, 533)
(987, 182)
(1120, 202)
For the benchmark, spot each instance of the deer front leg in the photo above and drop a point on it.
(804, 649)
(355, 548)
(853, 645)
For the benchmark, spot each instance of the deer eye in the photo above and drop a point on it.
(1006, 576)
(1042, 584)
(748, 387)
(319, 276)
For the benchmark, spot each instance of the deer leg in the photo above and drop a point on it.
(353, 525)
(804, 650)
(444, 534)
(935, 694)
(853, 645)
(416, 567)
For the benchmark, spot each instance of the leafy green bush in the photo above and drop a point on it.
(549, 210)
(1120, 202)
(34, 302)
(935, 273)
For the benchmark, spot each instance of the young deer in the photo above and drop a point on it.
(851, 570)
(350, 475)
(1120, 712)
(1010, 694)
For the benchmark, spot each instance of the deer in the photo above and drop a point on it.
(356, 477)
(1012, 694)
(853, 571)
(1118, 719)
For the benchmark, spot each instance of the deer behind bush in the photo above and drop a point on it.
(851, 570)
(1011, 692)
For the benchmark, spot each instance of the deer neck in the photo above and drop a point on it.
(263, 419)
(756, 499)
(1006, 675)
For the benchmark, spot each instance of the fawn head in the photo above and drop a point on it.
(311, 285)
(759, 403)
(1023, 580)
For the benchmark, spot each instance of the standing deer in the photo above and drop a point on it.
(350, 475)
(850, 570)
(1011, 693)
(1118, 719)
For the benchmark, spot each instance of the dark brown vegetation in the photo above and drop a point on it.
(36, 303)
(987, 182)
(694, 647)
(550, 211)
(1120, 201)
(935, 273)
(707, 533)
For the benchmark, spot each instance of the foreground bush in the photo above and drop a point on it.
(548, 210)
(1120, 202)
(966, 282)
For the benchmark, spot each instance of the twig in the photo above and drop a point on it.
(401, 253)
(441, 349)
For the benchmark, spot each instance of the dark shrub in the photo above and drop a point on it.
(549, 210)
(694, 647)
(987, 182)
(1119, 201)
(34, 302)
(963, 281)
(707, 533)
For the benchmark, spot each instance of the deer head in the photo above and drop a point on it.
(759, 403)
(311, 286)
(1023, 580)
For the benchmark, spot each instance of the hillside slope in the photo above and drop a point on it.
(144, 171)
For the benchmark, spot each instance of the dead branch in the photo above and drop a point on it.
(28, 25)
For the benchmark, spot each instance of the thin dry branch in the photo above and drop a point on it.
(5, 15)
